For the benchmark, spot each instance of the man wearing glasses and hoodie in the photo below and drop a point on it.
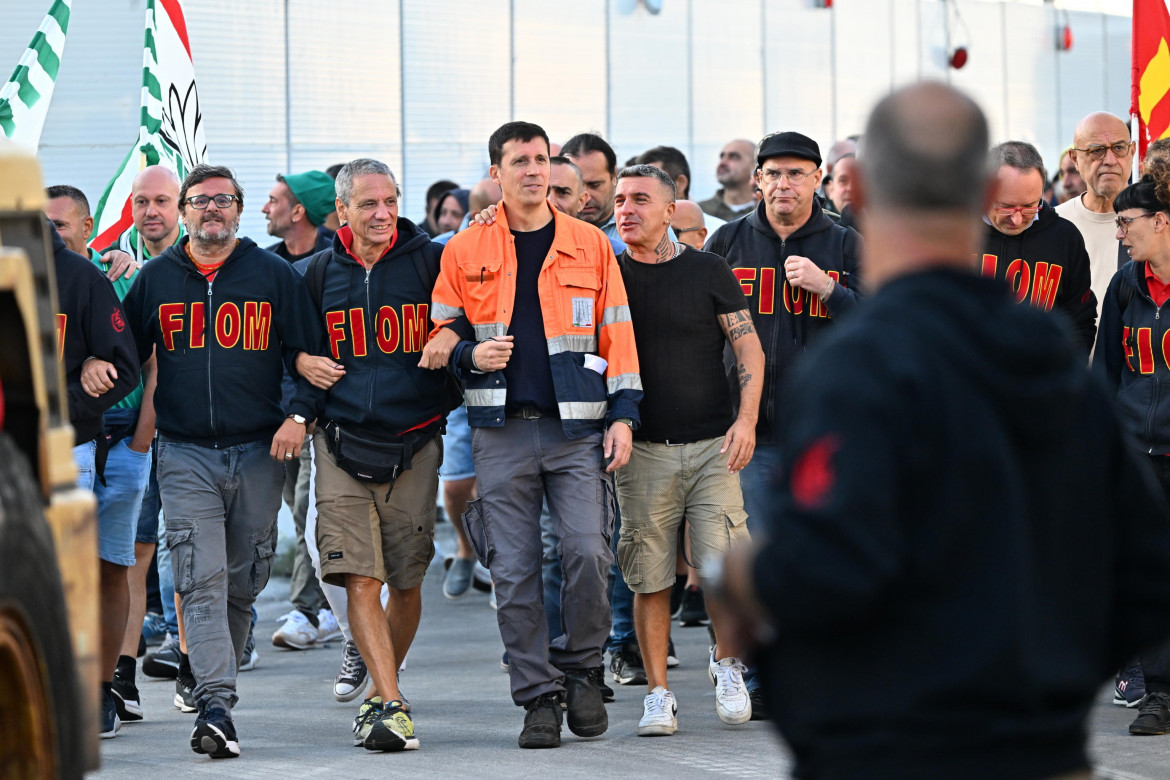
(224, 315)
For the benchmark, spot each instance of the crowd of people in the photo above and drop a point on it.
(600, 377)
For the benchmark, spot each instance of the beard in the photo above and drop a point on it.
(207, 240)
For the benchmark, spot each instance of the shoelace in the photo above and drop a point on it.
(1154, 702)
(659, 702)
(352, 664)
(731, 675)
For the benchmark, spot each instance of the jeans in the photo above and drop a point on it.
(304, 589)
(120, 501)
(756, 481)
(220, 507)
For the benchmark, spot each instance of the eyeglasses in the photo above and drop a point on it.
(679, 231)
(795, 176)
(222, 201)
(1027, 212)
(1124, 222)
(1096, 152)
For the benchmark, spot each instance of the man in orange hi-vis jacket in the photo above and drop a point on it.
(532, 313)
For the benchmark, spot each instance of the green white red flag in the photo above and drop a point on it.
(171, 127)
(24, 98)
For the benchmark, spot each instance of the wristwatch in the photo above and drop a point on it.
(299, 420)
(625, 420)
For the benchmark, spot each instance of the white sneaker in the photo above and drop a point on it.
(659, 714)
(327, 628)
(351, 678)
(733, 705)
(297, 633)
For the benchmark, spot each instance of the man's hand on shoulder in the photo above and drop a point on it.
(121, 265)
(438, 349)
(485, 217)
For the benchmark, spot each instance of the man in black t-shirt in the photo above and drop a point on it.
(685, 305)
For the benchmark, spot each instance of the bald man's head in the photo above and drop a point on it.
(154, 202)
(483, 194)
(737, 160)
(688, 223)
(1103, 154)
(926, 150)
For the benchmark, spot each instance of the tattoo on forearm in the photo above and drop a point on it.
(737, 324)
(665, 249)
(744, 376)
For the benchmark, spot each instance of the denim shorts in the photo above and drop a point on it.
(457, 460)
(119, 500)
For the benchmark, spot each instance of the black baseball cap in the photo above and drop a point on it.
(788, 144)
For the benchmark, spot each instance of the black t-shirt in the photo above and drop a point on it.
(675, 307)
(528, 373)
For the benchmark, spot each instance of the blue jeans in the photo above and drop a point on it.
(220, 507)
(621, 599)
(756, 482)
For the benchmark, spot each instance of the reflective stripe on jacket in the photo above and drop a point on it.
(583, 304)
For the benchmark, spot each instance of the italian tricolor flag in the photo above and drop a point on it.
(24, 99)
(171, 131)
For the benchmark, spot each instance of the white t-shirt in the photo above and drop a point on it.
(1100, 234)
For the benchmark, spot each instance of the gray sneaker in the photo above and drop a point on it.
(458, 579)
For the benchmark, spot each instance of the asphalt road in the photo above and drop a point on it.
(290, 726)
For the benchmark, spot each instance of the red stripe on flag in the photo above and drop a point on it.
(124, 223)
(175, 11)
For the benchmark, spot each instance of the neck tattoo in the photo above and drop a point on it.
(666, 250)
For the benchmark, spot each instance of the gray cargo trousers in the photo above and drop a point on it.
(220, 507)
(516, 466)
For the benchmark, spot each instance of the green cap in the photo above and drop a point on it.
(315, 191)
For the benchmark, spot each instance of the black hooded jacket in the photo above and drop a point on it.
(223, 345)
(952, 545)
(1133, 357)
(376, 324)
(788, 319)
(1046, 265)
(90, 323)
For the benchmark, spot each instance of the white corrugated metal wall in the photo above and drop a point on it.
(292, 84)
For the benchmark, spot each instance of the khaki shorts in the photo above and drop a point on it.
(662, 485)
(360, 532)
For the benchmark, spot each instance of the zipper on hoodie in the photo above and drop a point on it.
(368, 319)
(210, 397)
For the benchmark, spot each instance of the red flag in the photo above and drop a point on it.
(1150, 96)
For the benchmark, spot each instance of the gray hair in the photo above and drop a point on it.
(1019, 155)
(926, 150)
(645, 171)
(362, 166)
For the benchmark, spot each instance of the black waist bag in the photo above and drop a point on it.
(370, 460)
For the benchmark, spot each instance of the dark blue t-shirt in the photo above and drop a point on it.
(528, 373)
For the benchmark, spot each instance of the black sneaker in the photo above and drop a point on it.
(626, 665)
(597, 675)
(163, 662)
(1154, 715)
(185, 693)
(587, 715)
(693, 611)
(215, 734)
(542, 722)
(109, 711)
(759, 709)
(1129, 687)
(127, 699)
